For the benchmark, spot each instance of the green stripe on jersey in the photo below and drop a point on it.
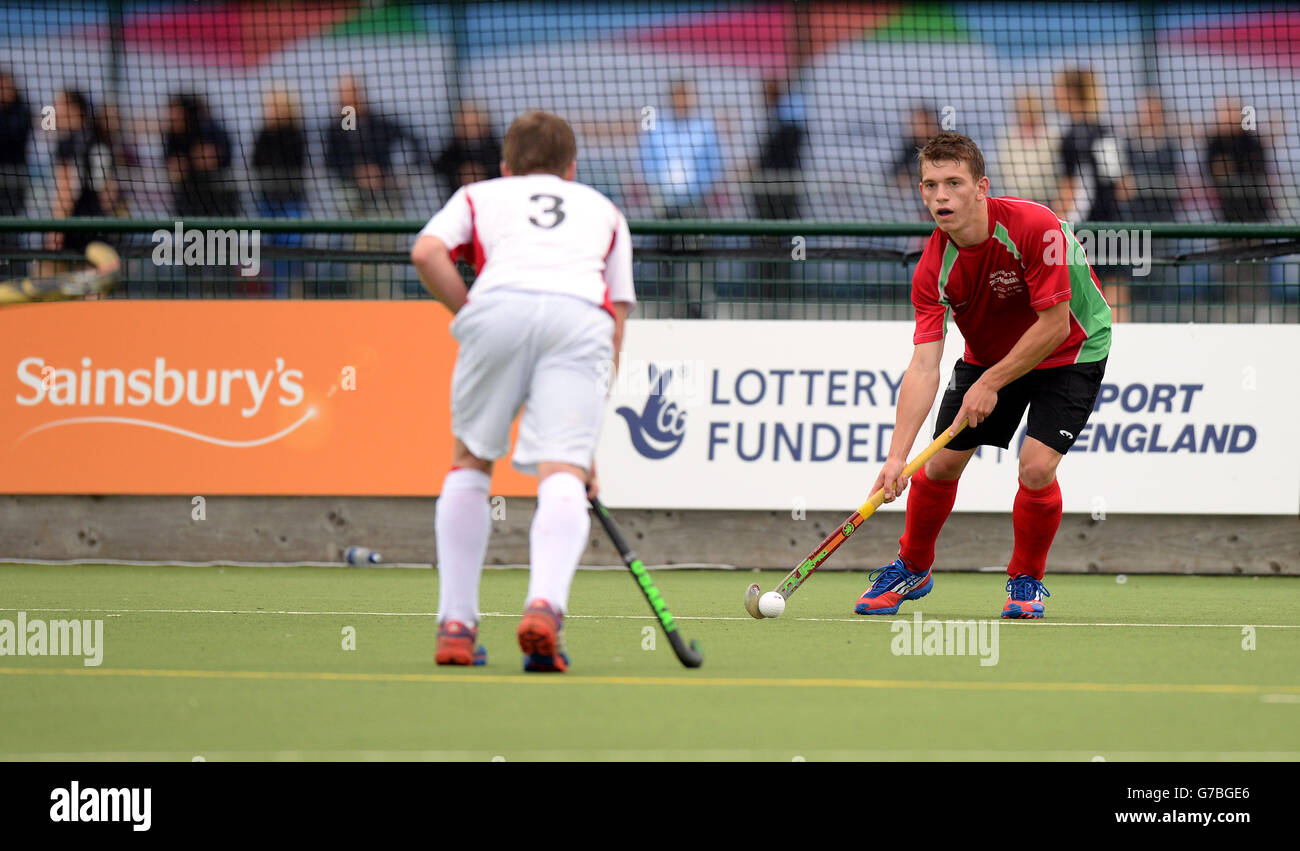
(945, 268)
(1001, 235)
(1087, 304)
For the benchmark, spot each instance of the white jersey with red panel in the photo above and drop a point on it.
(542, 233)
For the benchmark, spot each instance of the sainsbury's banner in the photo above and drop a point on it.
(228, 398)
(342, 398)
(799, 415)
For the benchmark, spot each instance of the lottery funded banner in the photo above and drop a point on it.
(779, 415)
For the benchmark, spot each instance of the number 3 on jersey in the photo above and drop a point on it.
(554, 211)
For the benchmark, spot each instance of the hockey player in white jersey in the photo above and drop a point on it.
(553, 289)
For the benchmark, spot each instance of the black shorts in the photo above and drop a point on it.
(1059, 399)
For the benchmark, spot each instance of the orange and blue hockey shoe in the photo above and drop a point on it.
(891, 585)
(458, 645)
(541, 637)
(1025, 598)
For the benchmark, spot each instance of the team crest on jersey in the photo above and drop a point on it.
(1006, 284)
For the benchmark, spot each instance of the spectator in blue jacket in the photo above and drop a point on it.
(681, 155)
(681, 158)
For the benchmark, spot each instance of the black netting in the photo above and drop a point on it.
(759, 110)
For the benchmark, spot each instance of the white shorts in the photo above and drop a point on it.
(542, 351)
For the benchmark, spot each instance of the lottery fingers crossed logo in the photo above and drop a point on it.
(658, 429)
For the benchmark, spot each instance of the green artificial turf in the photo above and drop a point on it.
(248, 663)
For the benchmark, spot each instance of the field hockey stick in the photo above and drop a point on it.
(688, 656)
(99, 279)
(841, 534)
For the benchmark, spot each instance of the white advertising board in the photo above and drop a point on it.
(787, 415)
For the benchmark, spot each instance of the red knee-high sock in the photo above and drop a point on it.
(1035, 517)
(929, 503)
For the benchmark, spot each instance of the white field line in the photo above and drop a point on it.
(1279, 698)
(664, 755)
(681, 565)
(120, 562)
(290, 612)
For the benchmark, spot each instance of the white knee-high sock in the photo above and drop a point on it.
(558, 538)
(463, 524)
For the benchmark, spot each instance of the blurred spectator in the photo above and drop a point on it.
(359, 149)
(681, 158)
(1093, 182)
(197, 150)
(921, 126)
(777, 182)
(1237, 166)
(124, 153)
(681, 155)
(279, 159)
(1092, 170)
(473, 153)
(779, 158)
(1153, 155)
(1027, 152)
(84, 184)
(15, 133)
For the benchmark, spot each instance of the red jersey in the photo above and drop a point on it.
(1030, 262)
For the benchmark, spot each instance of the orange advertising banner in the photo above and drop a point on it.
(239, 397)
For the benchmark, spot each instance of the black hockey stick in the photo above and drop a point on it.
(688, 656)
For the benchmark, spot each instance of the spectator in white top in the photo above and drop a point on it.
(1028, 153)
